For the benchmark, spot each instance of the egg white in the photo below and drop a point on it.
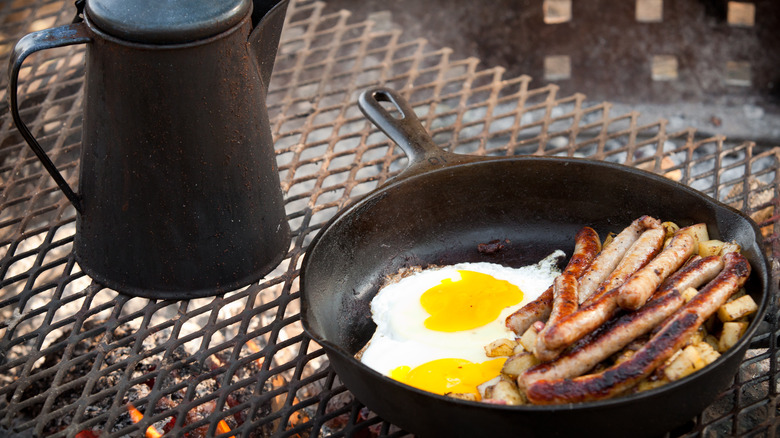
(401, 337)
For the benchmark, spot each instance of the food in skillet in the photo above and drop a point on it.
(653, 305)
(432, 324)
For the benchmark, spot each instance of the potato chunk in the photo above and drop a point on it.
(607, 240)
(697, 336)
(707, 352)
(670, 228)
(517, 364)
(731, 333)
(648, 384)
(738, 308)
(463, 396)
(500, 348)
(710, 247)
(485, 388)
(689, 361)
(698, 232)
(528, 340)
(689, 293)
(506, 391)
(730, 247)
(712, 341)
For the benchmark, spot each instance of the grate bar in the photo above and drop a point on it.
(75, 355)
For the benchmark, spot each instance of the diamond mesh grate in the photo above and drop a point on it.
(77, 358)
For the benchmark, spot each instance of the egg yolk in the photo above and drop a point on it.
(442, 376)
(473, 301)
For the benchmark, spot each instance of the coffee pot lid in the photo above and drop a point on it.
(165, 21)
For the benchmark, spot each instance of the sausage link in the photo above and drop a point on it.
(672, 336)
(666, 301)
(564, 304)
(603, 304)
(587, 245)
(584, 357)
(640, 254)
(698, 271)
(537, 310)
(564, 297)
(610, 257)
(640, 286)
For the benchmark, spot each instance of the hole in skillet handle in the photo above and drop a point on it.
(401, 125)
(386, 102)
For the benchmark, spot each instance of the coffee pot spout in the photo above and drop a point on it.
(267, 19)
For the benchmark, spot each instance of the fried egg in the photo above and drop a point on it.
(433, 325)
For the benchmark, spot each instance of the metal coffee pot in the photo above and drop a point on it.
(178, 192)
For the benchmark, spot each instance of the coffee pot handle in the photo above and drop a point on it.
(67, 35)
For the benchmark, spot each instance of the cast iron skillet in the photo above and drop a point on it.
(437, 212)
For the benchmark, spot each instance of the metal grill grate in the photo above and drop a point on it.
(76, 355)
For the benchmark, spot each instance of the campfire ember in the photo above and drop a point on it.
(136, 416)
(159, 375)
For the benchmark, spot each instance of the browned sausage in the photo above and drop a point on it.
(587, 245)
(610, 257)
(698, 271)
(564, 304)
(537, 310)
(672, 336)
(605, 343)
(640, 286)
(602, 305)
(640, 254)
(582, 358)
(564, 297)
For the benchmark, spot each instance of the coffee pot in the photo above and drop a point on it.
(178, 192)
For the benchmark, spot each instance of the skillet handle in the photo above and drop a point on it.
(406, 130)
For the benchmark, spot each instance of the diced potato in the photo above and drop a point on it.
(712, 341)
(517, 364)
(689, 293)
(686, 363)
(710, 247)
(610, 237)
(698, 232)
(486, 388)
(500, 348)
(518, 349)
(463, 396)
(730, 247)
(670, 228)
(697, 336)
(507, 391)
(669, 362)
(738, 308)
(731, 333)
(528, 340)
(707, 352)
(646, 384)
(692, 354)
(623, 356)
